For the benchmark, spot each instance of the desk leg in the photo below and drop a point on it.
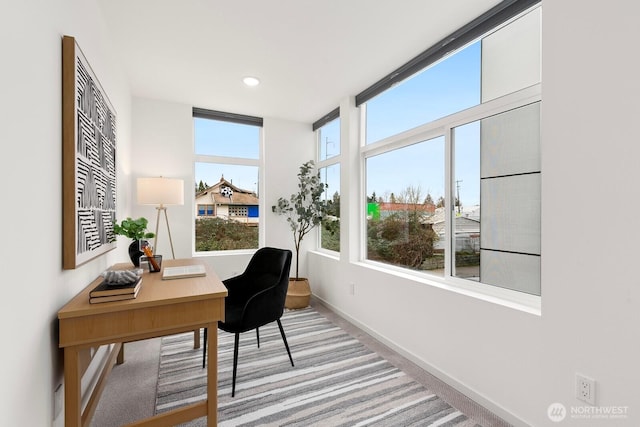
(120, 359)
(196, 338)
(72, 404)
(212, 375)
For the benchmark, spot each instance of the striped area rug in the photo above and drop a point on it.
(336, 381)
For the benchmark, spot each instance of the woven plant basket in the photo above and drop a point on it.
(299, 293)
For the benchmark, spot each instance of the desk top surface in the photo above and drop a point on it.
(153, 292)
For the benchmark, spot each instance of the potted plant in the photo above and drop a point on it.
(135, 229)
(304, 210)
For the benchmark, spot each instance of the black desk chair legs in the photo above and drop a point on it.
(286, 344)
(236, 344)
(204, 353)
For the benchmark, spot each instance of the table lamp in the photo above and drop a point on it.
(160, 191)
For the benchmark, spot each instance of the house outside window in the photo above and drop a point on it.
(452, 163)
(227, 176)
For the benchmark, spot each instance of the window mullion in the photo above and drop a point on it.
(449, 174)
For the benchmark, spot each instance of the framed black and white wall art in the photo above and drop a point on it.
(88, 161)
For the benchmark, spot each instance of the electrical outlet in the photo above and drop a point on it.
(586, 389)
(352, 288)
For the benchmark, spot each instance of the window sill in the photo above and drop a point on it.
(327, 253)
(505, 297)
(224, 253)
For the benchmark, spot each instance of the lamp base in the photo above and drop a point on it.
(166, 219)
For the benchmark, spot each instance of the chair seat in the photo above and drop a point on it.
(233, 319)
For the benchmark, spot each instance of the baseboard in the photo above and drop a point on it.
(441, 375)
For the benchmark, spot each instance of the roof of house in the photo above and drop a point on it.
(225, 193)
(422, 207)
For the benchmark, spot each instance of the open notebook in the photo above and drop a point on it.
(182, 271)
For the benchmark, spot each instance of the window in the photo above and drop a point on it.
(445, 88)
(452, 162)
(227, 176)
(328, 137)
(238, 211)
(498, 159)
(205, 210)
(402, 205)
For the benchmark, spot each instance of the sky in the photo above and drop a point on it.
(447, 87)
(213, 137)
(444, 88)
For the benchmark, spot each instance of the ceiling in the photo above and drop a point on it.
(309, 55)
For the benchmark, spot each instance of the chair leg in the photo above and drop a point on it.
(258, 336)
(235, 363)
(284, 338)
(204, 349)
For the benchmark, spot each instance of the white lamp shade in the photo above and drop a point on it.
(160, 191)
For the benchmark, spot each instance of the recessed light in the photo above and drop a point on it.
(251, 81)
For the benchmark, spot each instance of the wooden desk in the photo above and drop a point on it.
(162, 307)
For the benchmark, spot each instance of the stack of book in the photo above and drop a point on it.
(106, 292)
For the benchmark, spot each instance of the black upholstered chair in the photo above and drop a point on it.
(256, 298)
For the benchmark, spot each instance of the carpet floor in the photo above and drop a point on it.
(336, 381)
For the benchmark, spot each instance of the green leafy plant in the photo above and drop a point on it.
(305, 209)
(135, 229)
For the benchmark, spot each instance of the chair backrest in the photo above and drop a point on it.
(272, 262)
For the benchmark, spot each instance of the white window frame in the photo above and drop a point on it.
(236, 161)
(444, 127)
(320, 164)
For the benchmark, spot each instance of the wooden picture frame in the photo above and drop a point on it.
(88, 161)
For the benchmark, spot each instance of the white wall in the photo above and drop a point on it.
(34, 286)
(590, 152)
(163, 146)
(516, 363)
(287, 146)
